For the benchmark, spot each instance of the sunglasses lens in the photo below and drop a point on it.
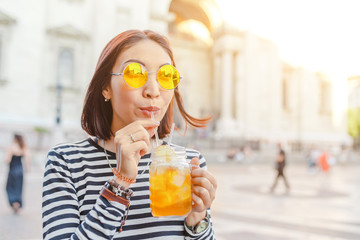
(168, 77)
(135, 75)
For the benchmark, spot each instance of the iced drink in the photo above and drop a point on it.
(170, 183)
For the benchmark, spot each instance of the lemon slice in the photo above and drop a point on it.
(165, 152)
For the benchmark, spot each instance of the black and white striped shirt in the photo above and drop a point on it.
(73, 209)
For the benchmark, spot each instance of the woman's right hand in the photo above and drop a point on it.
(134, 142)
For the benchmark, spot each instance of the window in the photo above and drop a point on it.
(285, 101)
(6, 23)
(287, 76)
(1, 57)
(65, 67)
(325, 97)
(66, 43)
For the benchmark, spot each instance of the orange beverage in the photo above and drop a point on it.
(170, 185)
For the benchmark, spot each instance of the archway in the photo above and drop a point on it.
(191, 37)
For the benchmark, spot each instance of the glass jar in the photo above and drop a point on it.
(170, 182)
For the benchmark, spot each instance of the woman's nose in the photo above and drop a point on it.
(151, 87)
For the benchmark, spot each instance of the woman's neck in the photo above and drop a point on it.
(108, 144)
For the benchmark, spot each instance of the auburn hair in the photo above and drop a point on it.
(97, 114)
(20, 140)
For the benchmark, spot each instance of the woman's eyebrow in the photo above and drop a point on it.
(133, 60)
(164, 64)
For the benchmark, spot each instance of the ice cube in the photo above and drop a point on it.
(178, 180)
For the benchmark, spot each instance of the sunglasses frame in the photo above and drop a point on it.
(148, 73)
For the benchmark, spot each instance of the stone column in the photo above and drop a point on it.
(227, 42)
(217, 83)
(227, 85)
(226, 121)
(240, 92)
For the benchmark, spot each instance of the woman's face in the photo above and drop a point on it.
(131, 104)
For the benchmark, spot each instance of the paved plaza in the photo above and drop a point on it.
(318, 207)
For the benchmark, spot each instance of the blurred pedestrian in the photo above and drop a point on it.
(344, 154)
(311, 158)
(239, 156)
(248, 153)
(280, 166)
(324, 161)
(232, 152)
(16, 154)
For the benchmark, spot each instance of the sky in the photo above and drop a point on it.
(319, 35)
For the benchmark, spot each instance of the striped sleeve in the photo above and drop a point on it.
(208, 234)
(60, 206)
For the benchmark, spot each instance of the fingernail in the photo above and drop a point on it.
(158, 123)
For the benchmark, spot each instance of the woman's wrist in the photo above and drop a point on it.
(122, 182)
(195, 217)
(112, 191)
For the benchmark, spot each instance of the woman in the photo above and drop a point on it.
(130, 85)
(14, 186)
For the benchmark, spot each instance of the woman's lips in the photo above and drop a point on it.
(148, 110)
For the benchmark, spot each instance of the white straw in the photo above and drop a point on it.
(171, 133)
(156, 133)
(118, 157)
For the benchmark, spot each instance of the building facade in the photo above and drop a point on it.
(49, 49)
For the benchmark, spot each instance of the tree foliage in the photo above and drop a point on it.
(354, 122)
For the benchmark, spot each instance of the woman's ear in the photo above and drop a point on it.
(106, 93)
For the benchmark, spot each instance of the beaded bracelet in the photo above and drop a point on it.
(125, 179)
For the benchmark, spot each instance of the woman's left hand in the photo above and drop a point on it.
(203, 192)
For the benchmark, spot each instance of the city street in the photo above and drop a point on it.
(250, 84)
(318, 207)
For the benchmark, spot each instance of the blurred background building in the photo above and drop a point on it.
(49, 49)
(354, 110)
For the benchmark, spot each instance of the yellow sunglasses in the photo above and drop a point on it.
(136, 75)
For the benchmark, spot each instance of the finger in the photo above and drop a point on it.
(140, 135)
(121, 138)
(146, 123)
(132, 127)
(150, 127)
(205, 183)
(125, 139)
(204, 195)
(123, 135)
(197, 203)
(129, 160)
(204, 173)
(195, 163)
(133, 151)
(151, 131)
(202, 182)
